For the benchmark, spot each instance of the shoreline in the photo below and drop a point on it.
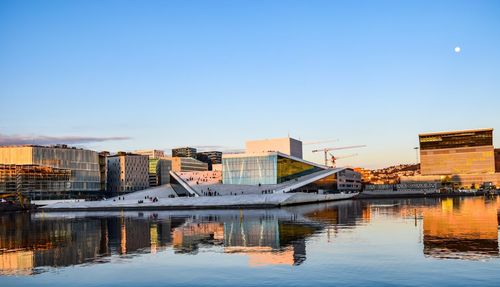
(239, 202)
(193, 203)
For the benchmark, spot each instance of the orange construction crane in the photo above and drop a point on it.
(326, 150)
(335, 158)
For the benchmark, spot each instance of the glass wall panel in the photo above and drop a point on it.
(250, 170)
(289, 169)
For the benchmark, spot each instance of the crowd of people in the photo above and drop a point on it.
(202, 177)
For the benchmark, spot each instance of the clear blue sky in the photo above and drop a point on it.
(172, 73)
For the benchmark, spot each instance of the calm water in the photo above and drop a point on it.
(410, 242)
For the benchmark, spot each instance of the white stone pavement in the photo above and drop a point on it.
(251, 200)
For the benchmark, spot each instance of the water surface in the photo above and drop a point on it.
(401, 242)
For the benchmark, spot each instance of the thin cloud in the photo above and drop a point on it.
(49, 140)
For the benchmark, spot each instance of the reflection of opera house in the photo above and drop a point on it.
(265, 241)
(31, 243)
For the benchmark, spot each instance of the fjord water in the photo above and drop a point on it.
(399, 242)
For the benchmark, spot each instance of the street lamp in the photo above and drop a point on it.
(416, 153)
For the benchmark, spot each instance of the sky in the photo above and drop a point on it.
(126, 75)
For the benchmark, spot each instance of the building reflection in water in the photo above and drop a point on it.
(464, 228)
(33, 243)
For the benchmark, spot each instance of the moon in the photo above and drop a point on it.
(458, 49)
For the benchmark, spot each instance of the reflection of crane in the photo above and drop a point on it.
(335, 158)
(326, 150)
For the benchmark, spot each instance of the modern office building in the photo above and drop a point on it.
(34, 181)
(151, 153)
(215, 157)
(288, 145)
(187, 164)
(184, 152)
(127, 172)
(159, 171)
(159, 166)
(48, 170)
(103, 169)
(465, 158)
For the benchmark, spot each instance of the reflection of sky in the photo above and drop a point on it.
(386, 248)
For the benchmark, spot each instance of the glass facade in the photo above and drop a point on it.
(265, 169)
(159, 171)
(83, 165)
(289, 169)
(456, 139)
(250, 170)
(33, 179)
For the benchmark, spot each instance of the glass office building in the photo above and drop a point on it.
(159, 171)
(263, 168)
(81, 165)
(30, 179)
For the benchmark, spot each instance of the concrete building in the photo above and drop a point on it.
(184, 152)
(463, 158)
(151, 153)
(103, 169)
(457, 152)
(159, 171)
(288, 145)
(210, 157)
(187, 164)
(215, 157)
(48, 170)
(159, 166)
(127, 172)
(497, 160)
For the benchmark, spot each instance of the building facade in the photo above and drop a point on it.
(263, 168)
(151, 153)
(159, 171)
(127, 172)
(215, 157)
(460, 152)
(187, 164)
(288, 145)
(461, 158)
(36, 166)
(184, 152)
(497, 160)
(34, 180)
(103, 169)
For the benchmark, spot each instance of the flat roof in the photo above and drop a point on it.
(43, 146)
(456, 132)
